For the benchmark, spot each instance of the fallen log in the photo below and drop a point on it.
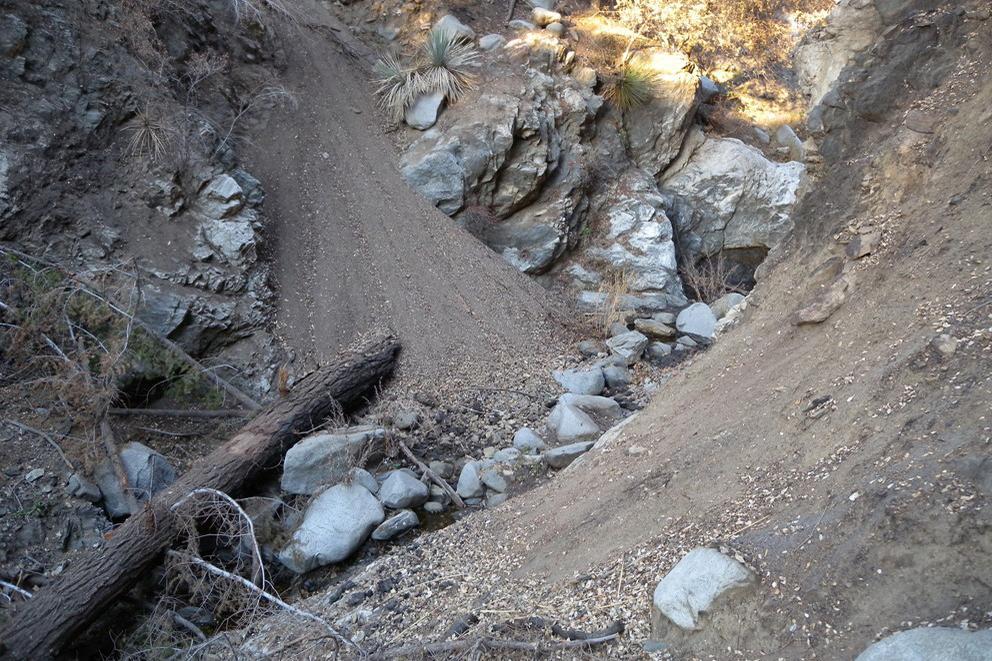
(44, 625)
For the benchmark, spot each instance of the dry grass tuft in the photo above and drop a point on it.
(616, 285)
(630, 86)
(709, 279)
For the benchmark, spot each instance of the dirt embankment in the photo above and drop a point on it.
(845, 461)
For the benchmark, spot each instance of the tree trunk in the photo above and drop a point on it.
(43, 626)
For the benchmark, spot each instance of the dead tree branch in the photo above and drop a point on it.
(434, 477)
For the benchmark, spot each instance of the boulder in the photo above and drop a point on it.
(932, 644)
(562, 456)
(527, 441)
(583, 382)
(363, 477)
(115, 501)
(221, 197)
(721, 306)
(506, 455)
(395, 525)
(616, 376)
(629, 345)
(655, 329)
(325, 458)
(470, 481)
(335, 524)
(590, 348)
(656, 129)
(491, 42)
(423, 112)
(402, 490)
(493, 479)
(571, 424)
(787, 138)
(667, 318)
(639, 240)
(601, 407)
(697, 321)
(725, 195)
(79, 487)
(657, 351)
(147, 471)
(442, 468)
(693, 588)
(448, 24)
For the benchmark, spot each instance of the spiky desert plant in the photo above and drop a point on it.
(149, 134)
(631, 85)
(447, 59)
(397, 85)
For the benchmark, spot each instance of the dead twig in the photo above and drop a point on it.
(17, 590)
(178, 413)
(434, 477)
(51, 441)
(491, 644)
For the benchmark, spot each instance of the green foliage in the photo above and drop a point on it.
(630, 86)
(444, 66)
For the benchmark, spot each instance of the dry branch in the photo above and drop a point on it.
(434, 477)
(179, 413)
(484, 642)
(43, 626)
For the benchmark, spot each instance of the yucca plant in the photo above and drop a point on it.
(397, 85)
(446, 65)
(149, 134)
(630, 86)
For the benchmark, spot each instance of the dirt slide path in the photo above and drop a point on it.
(354, 247)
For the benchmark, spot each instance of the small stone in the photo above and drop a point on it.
(629, 346)
(527, 441)
(863, 245)
(655, 329)
(636, 450)
(496, 499)
(693, 586)
(520, 24)
(506, 455)
(491, 42)
(697, 320)
(725, 304)
(945, 344)
(488, 452)
(564, 455)
(442, 468)
(402, 490)
(492, 478)
(590, 348)
(406, 419)
(616, 376)
(601, 407)
(80, 487)
(365, 478)
(931, 644)
(657, 351)
(555, 28)
(687, 342)
(569, 423)
(422, 113)
(667, 318)
(396, 525)
(448, 24)
(586, 76)
(470, 482)
(433, 507)
(786, 137)
(544, 17)
(34, 475)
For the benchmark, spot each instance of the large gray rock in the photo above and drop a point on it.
(403, 490)
(115, 501)
(639, 236)
(600, 407)
(335, 524)
(396, 525)
(491, 42)
(693, 587)
(697, 320)
(725, 303)
(365, 478)
(470, 481)
(422, 113)
(932, 644)
(571, 424)
(657, 128)
(564, 455)
(616, 376)
(628, 346)
(527, 440)
(582, 382)
(493, 478)
(324, 459)
(147, 471)
(448, 24)
(655, 329)
(726, 195)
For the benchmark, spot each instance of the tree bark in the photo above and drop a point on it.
(44, 626)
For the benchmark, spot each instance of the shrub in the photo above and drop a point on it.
(630, 86)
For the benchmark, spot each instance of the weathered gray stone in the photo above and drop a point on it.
(493, 478)
(721, 306)
(658, 351)
(590, 348)
(786, 137)
(571, 424)
(406, 419)
(115, 501)
(527, 441)
(726, 195)
(600, 407)
(147, 471)
(433, 507)
(667, 318)
(693, 587)
(496, 499)
(365, 478)
(324, 459)
(402, 490)
(629, 345)
(520, 24)
(562, 456)
(580, 381)
(616, 376)
(470, 481)
(544, 17)
(507, 455)
(448, 24)
(79, 487)
(555, 28)
(442, 468)
(686, 341)
(221, 197)
(932, 644)
(491, 42)
(334, 526)
(655, 329)
(697, 320)
(395, 525)
(422, 113)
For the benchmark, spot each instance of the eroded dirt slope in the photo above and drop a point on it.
(356, 248)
